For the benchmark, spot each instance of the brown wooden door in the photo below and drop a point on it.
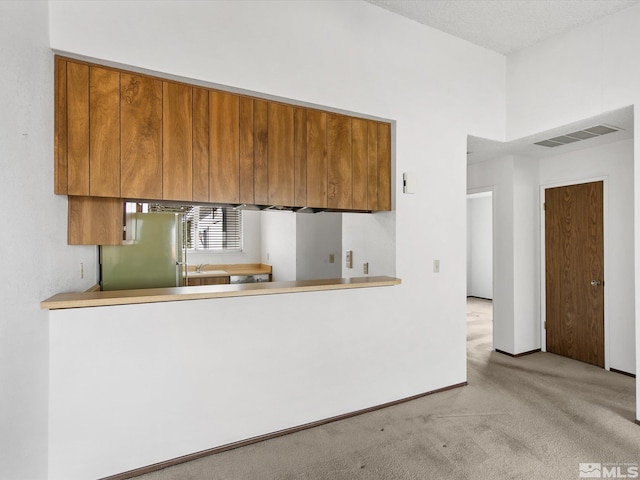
(574, 265)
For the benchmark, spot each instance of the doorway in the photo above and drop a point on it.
(574, 271)
(480, 268)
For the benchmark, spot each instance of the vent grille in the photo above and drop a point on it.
(585, 134)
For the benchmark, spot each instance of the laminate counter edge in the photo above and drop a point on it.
(153, 295)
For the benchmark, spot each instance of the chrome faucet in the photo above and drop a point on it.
(199, 268)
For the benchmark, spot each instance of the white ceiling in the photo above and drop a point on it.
(504, 26)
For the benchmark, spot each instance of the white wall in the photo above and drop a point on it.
(36, 261)
(278, 243)
(614, 162)
(251, 245)
(526, 258)
(318, 236)
(480, 247)
(497, 175)
(392, 341)
(578, 75)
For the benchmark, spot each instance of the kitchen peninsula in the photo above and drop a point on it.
(154, 295)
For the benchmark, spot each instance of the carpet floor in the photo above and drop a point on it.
(534, 417)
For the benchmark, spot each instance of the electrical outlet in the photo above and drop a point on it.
(436, 266)
(332, 258)
(365, 268)
(349, 259)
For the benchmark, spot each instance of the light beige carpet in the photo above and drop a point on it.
(533, 417)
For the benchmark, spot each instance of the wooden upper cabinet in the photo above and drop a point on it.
(260, 152)
(224, 129)
(200, 145)
(247, 168)
(78, 129)
(104, 128)
(384, 166)
(141, 136)
(300, 157)
(60, 133)
(340, 170)
(87, 135)
(177, 142)
(95, 221)
(372, 166)
(359, 163)
(119, 134)
(316, 159)
(281, 148)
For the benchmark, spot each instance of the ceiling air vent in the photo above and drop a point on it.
(585, 134)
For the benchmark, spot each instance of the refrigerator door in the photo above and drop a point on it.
(153, 260)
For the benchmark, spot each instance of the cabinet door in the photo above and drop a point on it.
(261, 155)
(316, 159)
(78, 129)
(200, 145)
(177, 142)
(224, 172)
(141, 137)
(246, 151)
(384, 166)
(372, 165)
(104, 132)
(95, 221)
(280, 148)
(60, 128)
(359, 160)
(340, 194)
(300, 157)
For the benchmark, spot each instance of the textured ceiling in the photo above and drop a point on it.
(504, 26)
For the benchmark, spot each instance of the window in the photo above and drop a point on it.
(207, 227)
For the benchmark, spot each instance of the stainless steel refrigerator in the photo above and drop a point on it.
(154, 258)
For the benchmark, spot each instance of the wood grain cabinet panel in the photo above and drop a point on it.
(200, 145)
(247, 169)
(359, 163)
(281, 148)
(372, 166)
(104, 129)
(261, 155)
(60, 127)
(340, 192)
(177, 142)
(316, 159)
(384, 166)
(300, 157)
(141, 137)
(78, 129)
(95, 221)
(224, 170)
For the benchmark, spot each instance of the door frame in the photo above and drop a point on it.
(494, 300)
(605, 237)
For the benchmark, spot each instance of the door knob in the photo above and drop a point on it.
(595, 283)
